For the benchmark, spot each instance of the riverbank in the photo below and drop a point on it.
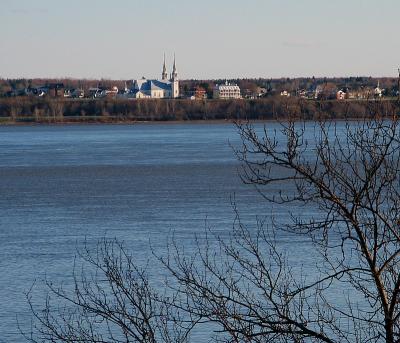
(26, 110)
(114, 121)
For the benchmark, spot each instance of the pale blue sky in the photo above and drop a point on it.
(126, 39)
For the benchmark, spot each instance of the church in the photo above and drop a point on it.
(157, 89)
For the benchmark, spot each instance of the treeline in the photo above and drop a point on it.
(7, 85)
(29, 109)
(276, 85)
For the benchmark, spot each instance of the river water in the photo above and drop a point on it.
(62, 184)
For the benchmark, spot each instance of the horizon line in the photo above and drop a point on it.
(198, 79)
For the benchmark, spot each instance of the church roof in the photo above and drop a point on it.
(156, 84)
(149, 85)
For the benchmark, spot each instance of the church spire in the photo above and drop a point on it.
(164, 71)
(174, 70)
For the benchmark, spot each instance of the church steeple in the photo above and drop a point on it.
(164, 71)
(174, 75)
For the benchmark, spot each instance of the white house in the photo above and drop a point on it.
(341, 94)
(378, 91)
(226, 91)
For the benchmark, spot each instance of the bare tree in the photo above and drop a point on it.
(111, 300)
(56, 108)
(248, 286)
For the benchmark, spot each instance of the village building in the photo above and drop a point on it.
(343, 93)
(302, 93)
(157, 89)
(226, 91)
(197, 93)
(254, 92)
(378, 91)
(74, 93)
(361, 94)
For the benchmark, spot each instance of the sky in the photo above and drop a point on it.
(126, 39)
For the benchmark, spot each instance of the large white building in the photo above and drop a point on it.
(226, 91)
(157, 89)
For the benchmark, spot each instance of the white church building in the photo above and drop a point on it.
(157, 89)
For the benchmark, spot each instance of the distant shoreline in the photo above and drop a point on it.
(130, 122)
(175, 122)
(33, 111)
(84, 121)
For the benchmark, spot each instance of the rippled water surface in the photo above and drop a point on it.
(60, 185)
